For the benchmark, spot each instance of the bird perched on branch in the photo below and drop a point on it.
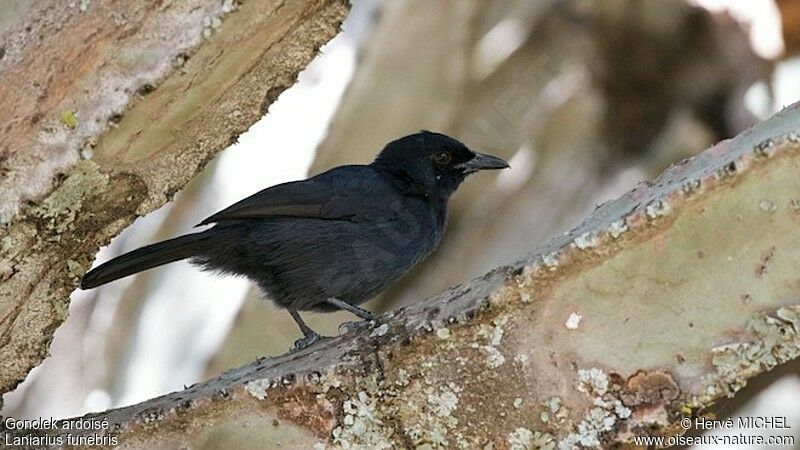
(332, 241)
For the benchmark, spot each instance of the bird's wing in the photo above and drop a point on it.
(353, 193)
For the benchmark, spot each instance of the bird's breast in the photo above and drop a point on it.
(419, 229)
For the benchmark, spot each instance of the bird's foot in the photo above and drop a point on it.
(347, 327)
(307, 340)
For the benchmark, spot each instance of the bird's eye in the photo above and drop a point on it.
(442, 158)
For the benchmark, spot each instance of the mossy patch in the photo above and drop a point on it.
(69, 119)
(58, 211)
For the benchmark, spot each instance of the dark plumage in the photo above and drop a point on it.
(332, 241)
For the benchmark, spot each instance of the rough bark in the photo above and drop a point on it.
(658, 305)
(116, 105)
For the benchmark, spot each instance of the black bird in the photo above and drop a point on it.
(332, 241)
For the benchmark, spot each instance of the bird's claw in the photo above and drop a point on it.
(307, 340)
(347, 327)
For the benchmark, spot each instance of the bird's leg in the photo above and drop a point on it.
(363, 314)
(355, 310)
(309, 336)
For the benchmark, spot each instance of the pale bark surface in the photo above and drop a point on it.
(658, 305)
(109, 109)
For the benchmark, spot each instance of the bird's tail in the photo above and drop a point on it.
(144, 258)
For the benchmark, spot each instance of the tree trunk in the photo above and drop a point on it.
(116, 105)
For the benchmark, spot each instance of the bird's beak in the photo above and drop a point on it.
(482, 161)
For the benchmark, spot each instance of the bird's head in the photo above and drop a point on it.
(433, 162)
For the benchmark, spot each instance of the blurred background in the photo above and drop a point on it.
(584, 98)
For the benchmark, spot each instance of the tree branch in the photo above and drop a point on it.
(658, 305)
